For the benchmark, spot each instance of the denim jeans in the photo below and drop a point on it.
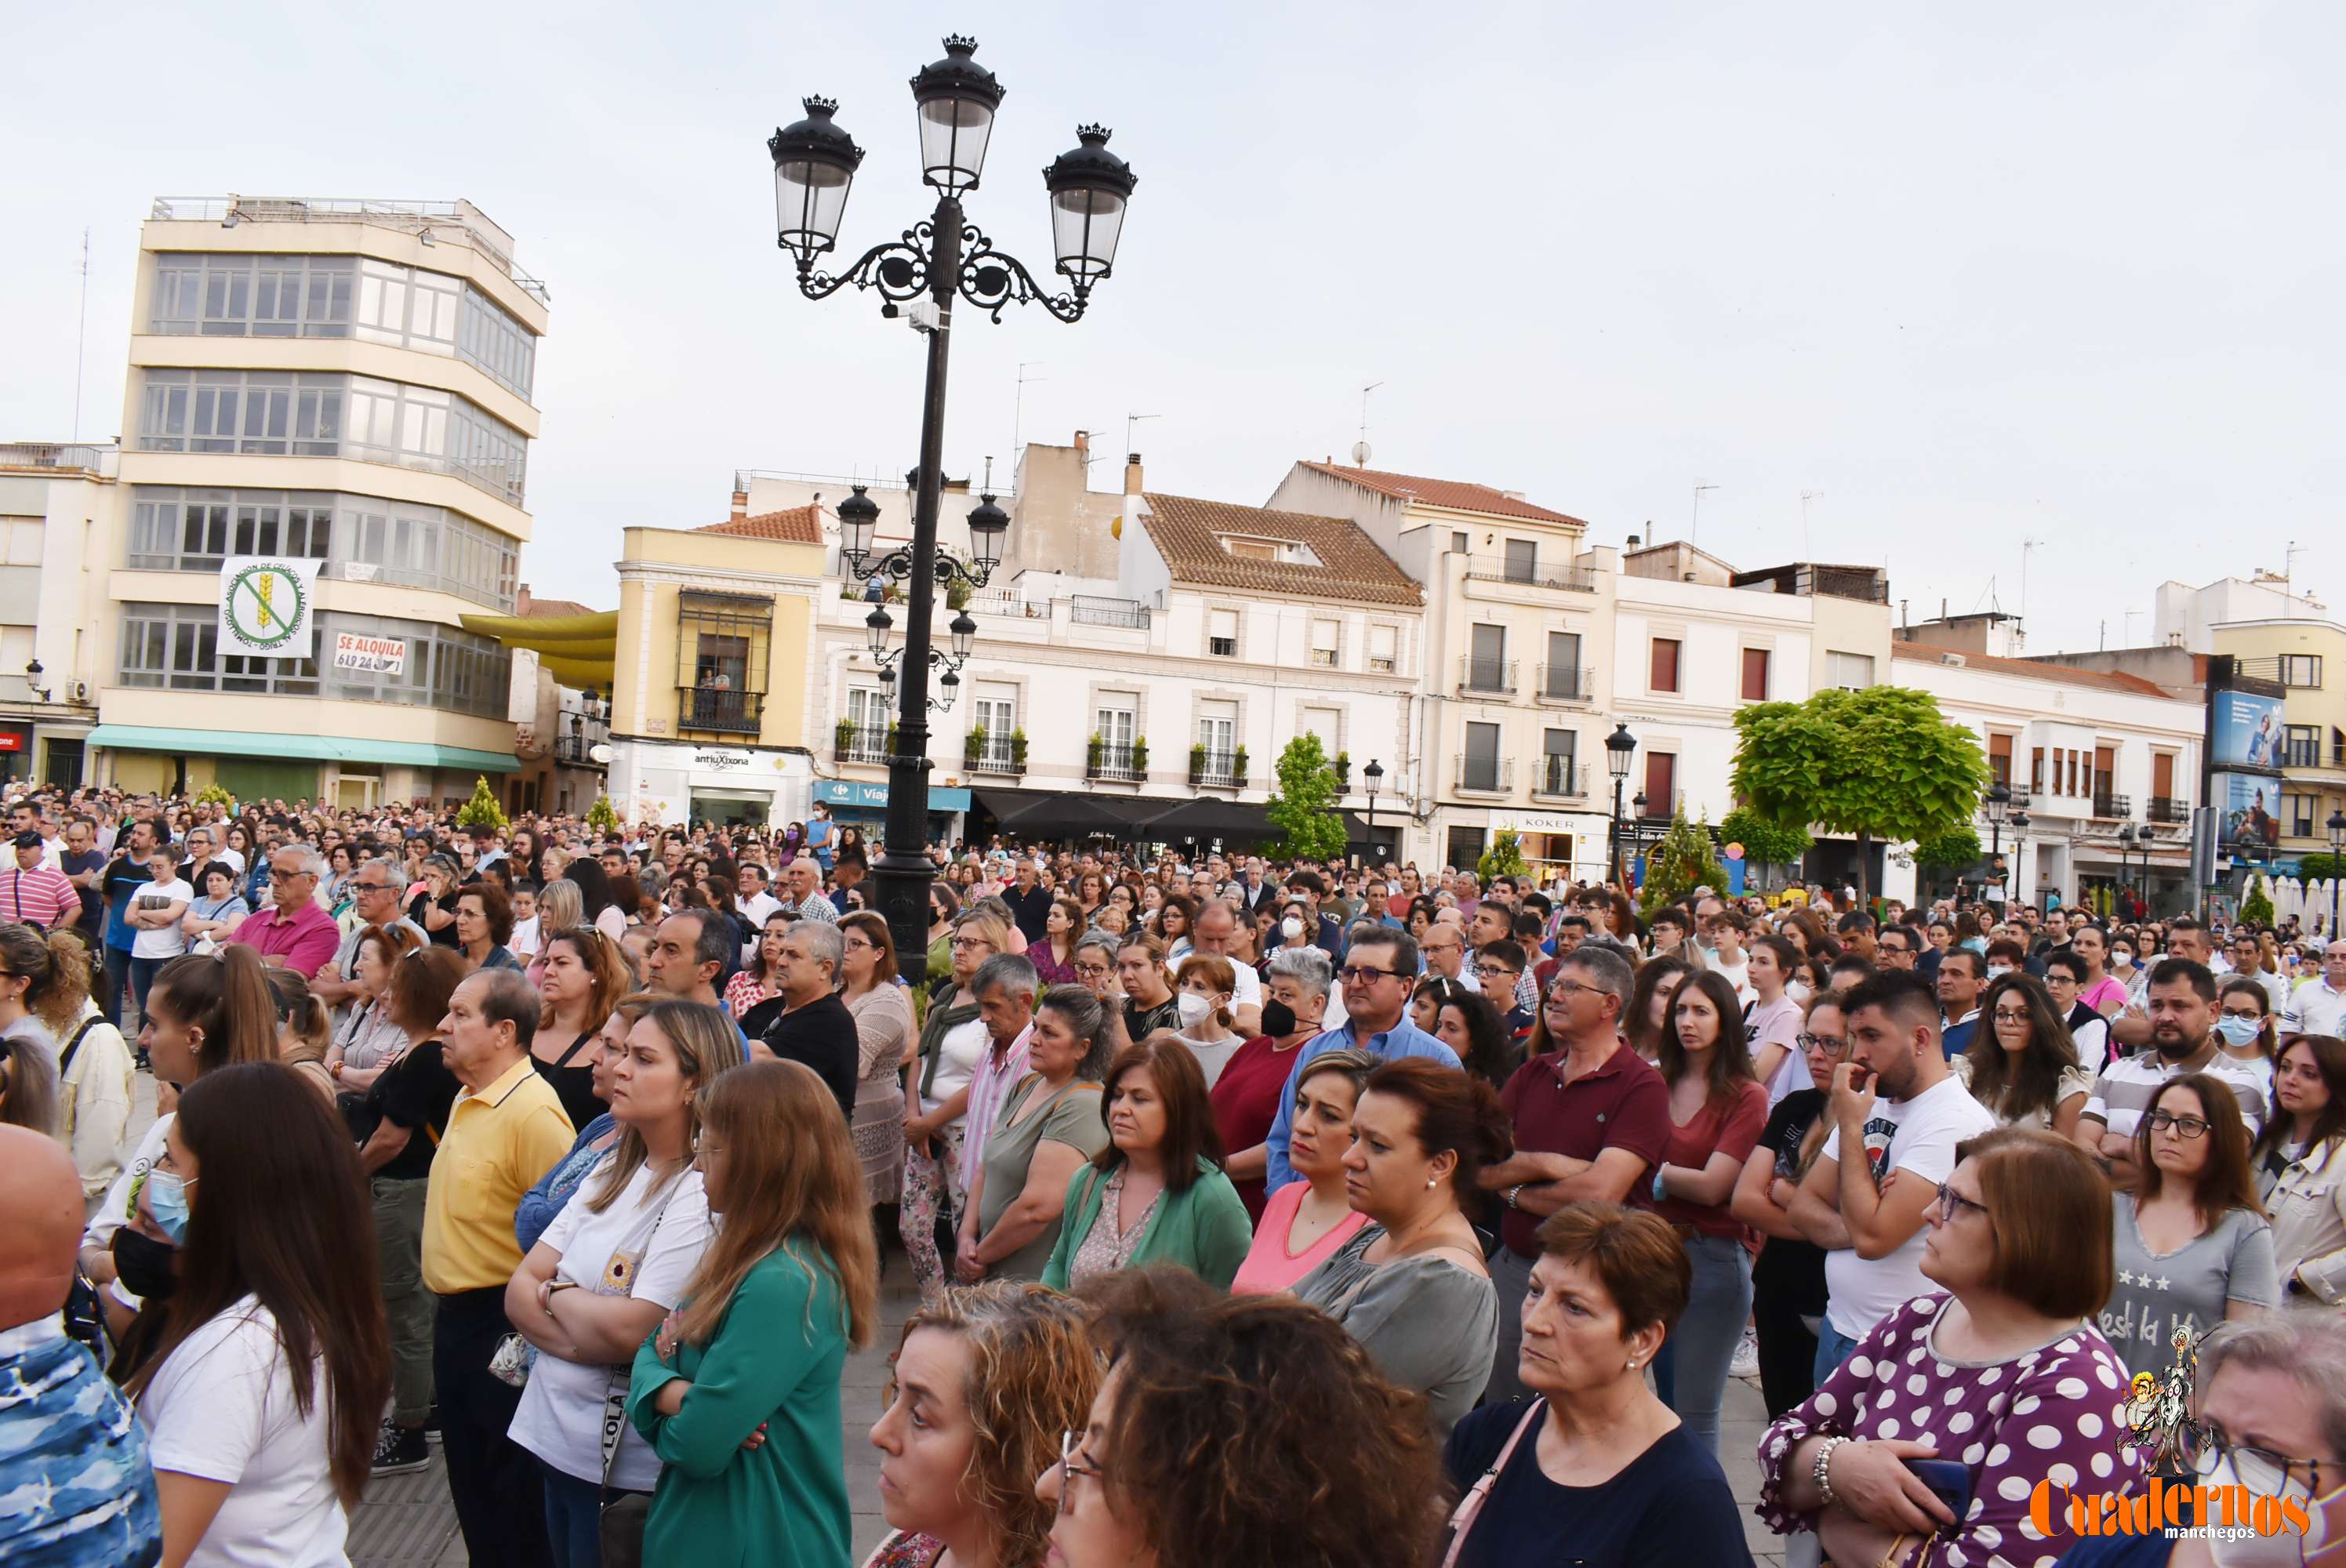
(143, 972)
(573, 1518)
(1833, 1348)
(1708, 1332)
(117, 981)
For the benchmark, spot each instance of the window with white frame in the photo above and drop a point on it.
(1115, 724)
(996, 712)
(1849, 671)
(1327, 725)
(1384, 641)
(1218, 732)
(1222, 633)
(1324, 643)
(867, 718)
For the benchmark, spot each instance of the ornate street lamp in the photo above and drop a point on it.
(940, 258)
(1375, 773)
(1619, 748)
(2337, 826)
(1999, 801)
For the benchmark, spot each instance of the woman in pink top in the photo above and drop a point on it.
(2101, 992)
(1306, 1221)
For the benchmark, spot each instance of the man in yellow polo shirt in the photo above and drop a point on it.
(505, 1130)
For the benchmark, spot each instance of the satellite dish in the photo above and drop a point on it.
(1360, 454)
(600, 753)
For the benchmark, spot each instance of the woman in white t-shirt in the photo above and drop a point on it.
(609, 1268)
(261, 1399)
(154, 913)
(1771, 1022)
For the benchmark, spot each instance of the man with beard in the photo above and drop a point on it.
(1896, 1110)
(2182, 1008)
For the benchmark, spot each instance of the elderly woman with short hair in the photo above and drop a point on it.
(1246, 1096)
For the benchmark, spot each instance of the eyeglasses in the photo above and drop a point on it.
(2262, 1471)
(1095, 970)
(1362, 974)
(1494, 971)
(2006, 1015)
(963, 942)
(1830, 1044)
(1073, 1468)
(1566, 990)
(2182, 1126)
(1952, 1203)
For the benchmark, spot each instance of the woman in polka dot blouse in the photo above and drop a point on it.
(2005, 1374)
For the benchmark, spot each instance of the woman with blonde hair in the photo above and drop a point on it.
(302, 1031)
(559, 907)
(882, 1011)
(787, 1287)
(984, 1384)
(613, 1261)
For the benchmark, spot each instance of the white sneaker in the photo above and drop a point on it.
(1746, 1363)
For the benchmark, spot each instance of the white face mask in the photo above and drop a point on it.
(2286, 1550)
(1193, 1008)
(1290, 928)
(1996, 969)
(1798, 990)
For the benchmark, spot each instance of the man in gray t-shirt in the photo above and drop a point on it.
(2189, 1288)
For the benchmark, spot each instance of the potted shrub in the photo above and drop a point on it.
(1140, 755)
(1018, 749)
(1342, 765)
(1197, 761)
(1238, 765)
(1093, 753)
(975, 747)
(846, 735)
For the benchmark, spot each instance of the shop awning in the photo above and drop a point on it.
(1069, 815)
(577, 650)
(1207, 818)
(302, 748)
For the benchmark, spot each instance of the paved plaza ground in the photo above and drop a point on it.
(407, 1521)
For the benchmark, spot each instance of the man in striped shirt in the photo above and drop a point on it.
(35, 893)
(2182, 1006)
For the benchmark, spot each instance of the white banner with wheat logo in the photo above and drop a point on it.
(268, 607)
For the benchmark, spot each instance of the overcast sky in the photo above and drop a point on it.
(1974, 277)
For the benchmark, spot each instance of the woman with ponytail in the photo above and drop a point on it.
(261, 1398)
(1410, 1285)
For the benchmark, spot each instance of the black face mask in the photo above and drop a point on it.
(1277, 1020)
(149, 1268)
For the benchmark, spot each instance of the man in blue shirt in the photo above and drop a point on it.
(1379, 973)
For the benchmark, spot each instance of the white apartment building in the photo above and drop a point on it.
(346, 381)
(1506, 727)
(2087, 755)
(54, 500)
(1696, 641)
(1098, 704)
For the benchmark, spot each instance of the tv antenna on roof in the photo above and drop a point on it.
(1361, 447)
(1807, 496)
(1694, 527)
(1129, 421)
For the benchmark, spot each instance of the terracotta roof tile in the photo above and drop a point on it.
(2068, 675)
(1457, 495)
(1189, 533)
(798, 525)
(549, 609)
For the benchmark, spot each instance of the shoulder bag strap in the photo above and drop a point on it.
(65, 1057)
(1470, 1507)
(615, 1400)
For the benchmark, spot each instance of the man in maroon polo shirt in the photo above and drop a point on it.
(293, 930)
(1592, 1118)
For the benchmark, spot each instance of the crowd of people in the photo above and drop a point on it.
(1259, 1213)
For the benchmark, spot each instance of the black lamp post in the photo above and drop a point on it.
(941, 257)
(2337, 826)
(1618, 745)
(2126, 842)
(1375, 773)
(1998, 802)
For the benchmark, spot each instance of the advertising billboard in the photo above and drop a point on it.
(2249, 811)
(2246, 730)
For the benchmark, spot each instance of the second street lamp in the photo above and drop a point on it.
(1375, 773)
(1618, 747)
(940, 258)
(2337, 826)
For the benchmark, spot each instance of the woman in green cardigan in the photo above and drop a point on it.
(1156, 1193)
(737, 1391)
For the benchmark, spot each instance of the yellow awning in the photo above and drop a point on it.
(577, 650)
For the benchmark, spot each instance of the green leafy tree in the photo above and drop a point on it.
(1764, 843)
(1504, 858)
(1303, 807)
(602, 816)
(2321, 867)
(213, 795)
(1685, 860)
(2256, 909)
(1944, 851)
(482, 808)
(1877, 764)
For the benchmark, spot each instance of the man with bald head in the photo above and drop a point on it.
(73, 1457)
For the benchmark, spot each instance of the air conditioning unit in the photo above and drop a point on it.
(78, 691)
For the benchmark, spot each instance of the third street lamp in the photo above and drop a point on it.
(930, 265)
(1618, 745)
